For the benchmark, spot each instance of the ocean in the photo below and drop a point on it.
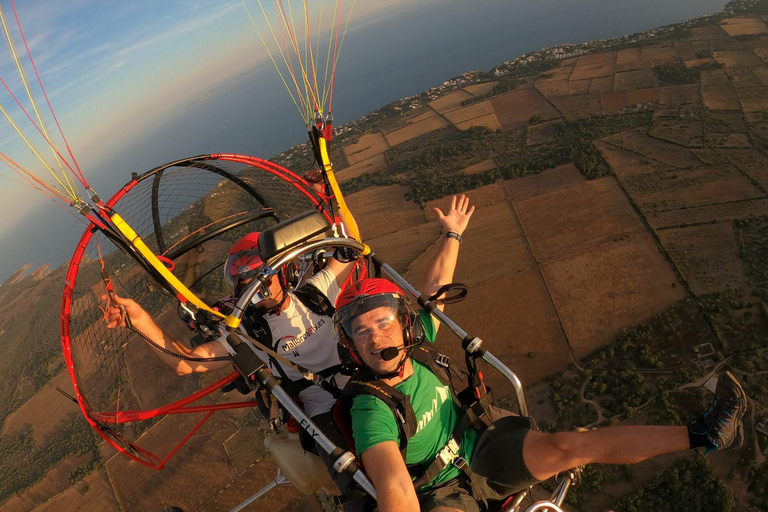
(383, 59)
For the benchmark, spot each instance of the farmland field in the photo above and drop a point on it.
(422, 127)
(516, 108)
(373, 164)
(384, 210)
(369, 145)
(598, 212)
(707, 255)
(611, 286)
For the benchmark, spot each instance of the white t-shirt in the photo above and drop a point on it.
(308, 339)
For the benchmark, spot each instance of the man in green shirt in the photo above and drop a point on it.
(376, 324)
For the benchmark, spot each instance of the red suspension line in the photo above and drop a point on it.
(42, 134)
(45, 94)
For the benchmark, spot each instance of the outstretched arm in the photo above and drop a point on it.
(394, 488)
(146, 325)
(441, 268)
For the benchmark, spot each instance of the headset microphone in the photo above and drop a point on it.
(390, 353)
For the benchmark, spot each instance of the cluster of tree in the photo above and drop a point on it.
(23, 464)
(677, 73)
(689, 485)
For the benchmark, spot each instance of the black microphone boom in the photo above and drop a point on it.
(389, 353)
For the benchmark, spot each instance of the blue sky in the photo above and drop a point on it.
(115, 69)
(139, 83)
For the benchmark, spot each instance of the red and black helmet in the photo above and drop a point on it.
(366, 295)
(243, 260)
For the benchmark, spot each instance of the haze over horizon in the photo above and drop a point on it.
(166, 82)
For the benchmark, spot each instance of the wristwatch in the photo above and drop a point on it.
(453, 234)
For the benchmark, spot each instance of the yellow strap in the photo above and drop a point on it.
(171, 279)
(346, 215)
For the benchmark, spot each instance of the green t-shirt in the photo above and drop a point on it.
(436, 416)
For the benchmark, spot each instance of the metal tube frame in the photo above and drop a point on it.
(472, 345)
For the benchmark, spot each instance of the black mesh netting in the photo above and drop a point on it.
(190, 212)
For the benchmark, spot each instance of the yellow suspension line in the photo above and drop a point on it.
(70, 192)
(285, 60)
(297, 51)
(326, 83)
(41, 123)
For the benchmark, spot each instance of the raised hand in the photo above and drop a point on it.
(457, 216)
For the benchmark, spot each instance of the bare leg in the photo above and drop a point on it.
(548, 454)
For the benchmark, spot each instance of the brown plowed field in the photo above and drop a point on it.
(715, 77)
(642, 96)
(708, 33)
(474, 110)
(748, 160)
(577, 107)
(670, 154)
(720, 97)
(592, 71)
(628, 56)
(633, 66)
(450, 101)
(93, 494)
(672, 190)
(543, 183)
(710, 213)
(137, 488)
(686, 133)
(374, 164)
(494, 246)
(489, 121)
(626, 163)
(597, 58)
(513, 315)
(562, 73)
(550, 88)
(382, 210)
(540, 133)
(54, 482)
(46, 412)
(743, 78)
(675, 95)
(660, 53)
(686, 51)
(613, 286)
(602, 84)
(731, 140)
(283, 498)
(368, 145)
(485, 165)
(761, 72)
(427, 125)
(707, 256)
(516, 108)
(613, 101)
(403, 247)
(572, 220)
(755, 105)
(640, 79)
(744, 26)
(481, 89)
(733, 58)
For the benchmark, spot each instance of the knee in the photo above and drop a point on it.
(564, 445)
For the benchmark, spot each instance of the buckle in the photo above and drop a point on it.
(443, 360)
(449, 453)
(459, 462)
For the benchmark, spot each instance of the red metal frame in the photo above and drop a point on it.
(99, 420)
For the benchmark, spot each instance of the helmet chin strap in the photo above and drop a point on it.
(390, 353)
